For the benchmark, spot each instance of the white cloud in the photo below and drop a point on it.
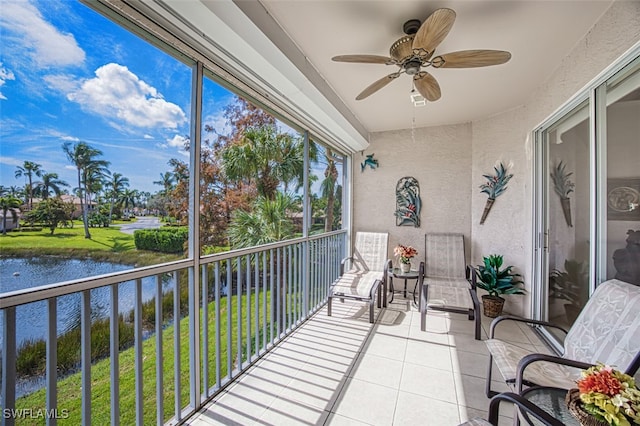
(117, 93)
(5, 75)
(43, 42)
(148, 137)
(177, 141)
(70, 139)
(63, 83)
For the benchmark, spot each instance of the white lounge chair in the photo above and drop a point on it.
(607, 331)
(449, 284)
(367, 270)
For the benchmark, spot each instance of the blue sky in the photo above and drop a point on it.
(68, 74)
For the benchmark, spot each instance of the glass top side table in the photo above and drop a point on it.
(397, 273)
(551, 400)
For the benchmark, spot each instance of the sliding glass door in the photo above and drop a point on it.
(588, 196)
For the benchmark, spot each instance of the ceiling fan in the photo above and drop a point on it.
(415, 51)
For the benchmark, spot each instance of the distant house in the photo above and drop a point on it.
(77, 210)
(11, 223)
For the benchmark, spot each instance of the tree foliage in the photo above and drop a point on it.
(51, 212)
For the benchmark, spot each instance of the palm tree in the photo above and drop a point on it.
(116, 185)
(166, 181)
(265, 158)
(328, 187)
(268, 222)
(29, 169)
(83, 157)
(128, 198)
(9, 204)
(50, 182)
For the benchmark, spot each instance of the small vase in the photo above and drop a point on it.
(405, 267)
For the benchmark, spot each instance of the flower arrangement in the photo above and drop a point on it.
(404, 253)
(610, 396)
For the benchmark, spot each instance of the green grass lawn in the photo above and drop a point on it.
(105, 244)
(69, 389)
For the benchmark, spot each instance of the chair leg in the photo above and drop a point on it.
(329, 306)
(424, 291)
(371, 309)
(490, 393)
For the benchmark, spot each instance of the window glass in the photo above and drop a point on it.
(251, 174)
(623, 177)
(326, 182)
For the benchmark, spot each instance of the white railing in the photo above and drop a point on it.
(249, 300)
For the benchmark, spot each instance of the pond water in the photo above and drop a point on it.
(31, 319)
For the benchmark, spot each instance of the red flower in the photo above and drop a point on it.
(601, 382)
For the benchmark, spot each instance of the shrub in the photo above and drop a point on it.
(164, 240)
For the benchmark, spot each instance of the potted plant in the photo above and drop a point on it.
(496, 282)
(570, 285)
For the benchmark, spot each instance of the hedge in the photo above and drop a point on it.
(165, 240)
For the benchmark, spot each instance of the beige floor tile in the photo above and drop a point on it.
(285, 412)
(315, 387)
(367, 402)
(386, 346)
(470, 391)
(419, 410)
(338, 420)
(379, 370)
(441, 337)
(467, 343)
(432, 355)
(430, 382)
(467, 413)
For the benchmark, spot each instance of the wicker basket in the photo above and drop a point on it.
(575, 408)
(492, 305)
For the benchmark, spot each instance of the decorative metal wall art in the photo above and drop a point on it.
(495, 186)
(408, 202)
(370, 161)
(563, 187)
(623, 199)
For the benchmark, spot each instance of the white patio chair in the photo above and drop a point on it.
(449, 284)
(367, 270)
(607, 330)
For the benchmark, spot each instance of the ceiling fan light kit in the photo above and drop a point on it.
(415, 50)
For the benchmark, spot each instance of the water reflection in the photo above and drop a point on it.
(31, 319)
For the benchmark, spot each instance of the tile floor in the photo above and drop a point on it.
(341, 370)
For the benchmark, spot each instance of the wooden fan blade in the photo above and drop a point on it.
(427, 85)
(471, 59)
(434, 30)
(377, 85)
(364, 59)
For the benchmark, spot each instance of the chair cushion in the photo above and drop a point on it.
(356, 283)
(449, 297)
(608, 328)
(507, 356)
(447, 282)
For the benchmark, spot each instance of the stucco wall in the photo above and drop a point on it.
(440, 159)
(449, 161)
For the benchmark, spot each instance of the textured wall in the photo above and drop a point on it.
(449, 161)
(440, 159)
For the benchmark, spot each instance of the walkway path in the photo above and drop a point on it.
(142, 222)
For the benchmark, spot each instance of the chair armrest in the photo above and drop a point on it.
(471, 274)
(531, 358)
(342, 263)
(501, 318)
(388, 267)
(524, 405)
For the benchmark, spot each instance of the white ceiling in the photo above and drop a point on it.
(539, 34)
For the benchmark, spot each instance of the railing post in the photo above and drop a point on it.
(52, 360)
(85, 358)
(9, 365)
